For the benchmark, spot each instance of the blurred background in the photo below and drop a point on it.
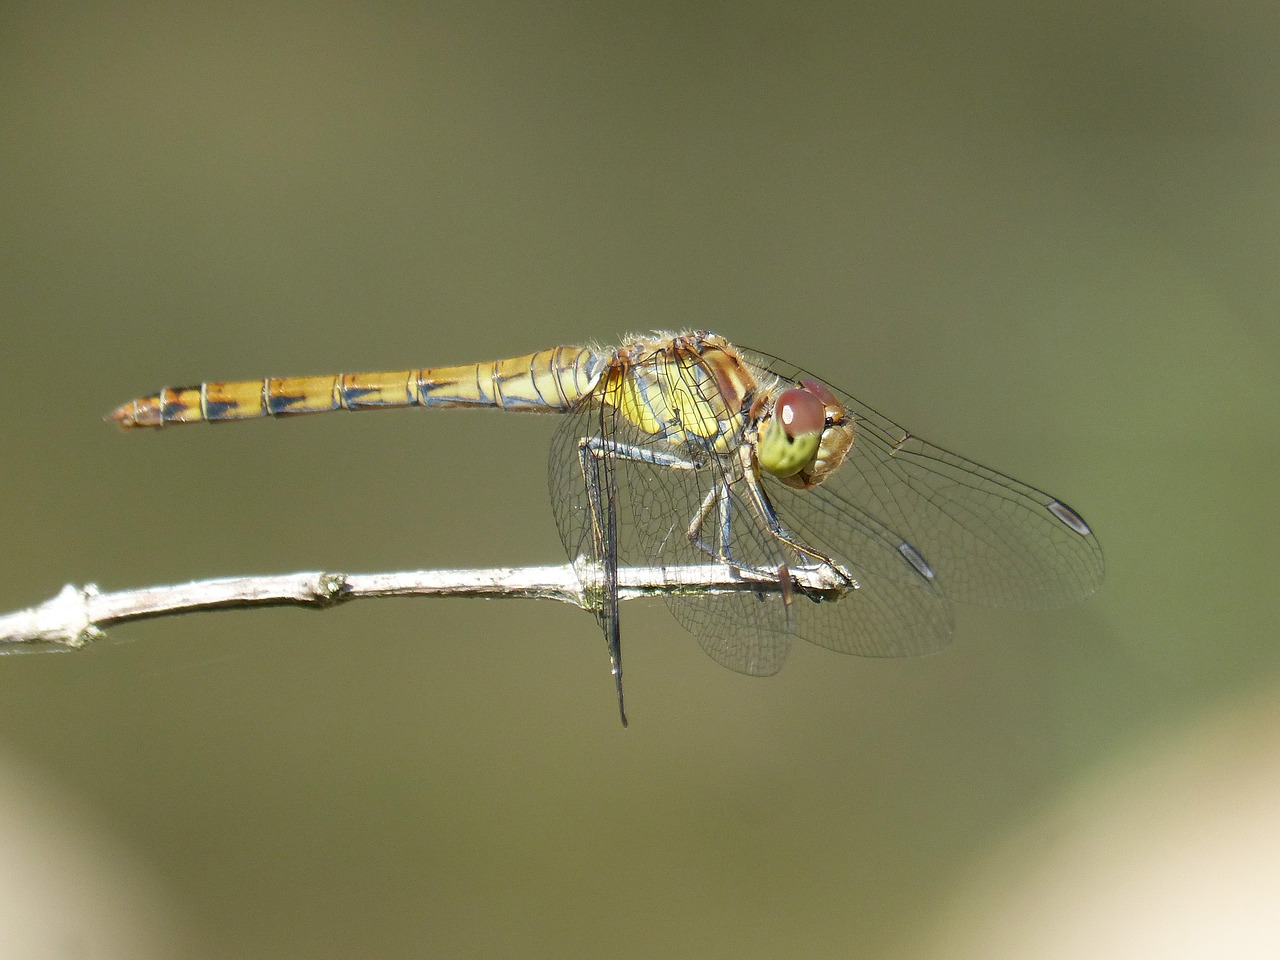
(1045, 235)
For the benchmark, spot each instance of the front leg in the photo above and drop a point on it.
(768, 518)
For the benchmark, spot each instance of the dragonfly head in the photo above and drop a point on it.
(805, 436)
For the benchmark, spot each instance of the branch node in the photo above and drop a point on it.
(331, 588)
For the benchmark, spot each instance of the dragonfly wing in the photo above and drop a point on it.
(895, 610)
(985, 537)
(747, 632)
(584, 495)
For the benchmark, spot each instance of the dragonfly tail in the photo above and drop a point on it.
(551, 381)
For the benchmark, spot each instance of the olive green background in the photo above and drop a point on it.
(1046, 237)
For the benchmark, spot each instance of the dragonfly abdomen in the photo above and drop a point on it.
(550, 380)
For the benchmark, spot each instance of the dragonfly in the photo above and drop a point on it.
(679, 448)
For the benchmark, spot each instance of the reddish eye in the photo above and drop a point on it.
(800, 411)
(820, 391)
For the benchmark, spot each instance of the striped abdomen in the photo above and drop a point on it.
(550, 380)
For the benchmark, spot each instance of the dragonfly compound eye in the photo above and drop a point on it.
(790, 440)
(820, 391)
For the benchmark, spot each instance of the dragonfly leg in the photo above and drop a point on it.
(717, 497)
(720, 500)
(592, 451)
(600, 447)
(768, 517)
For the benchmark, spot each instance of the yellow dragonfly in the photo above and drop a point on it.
(680, 448)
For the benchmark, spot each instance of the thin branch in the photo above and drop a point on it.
(79, 615)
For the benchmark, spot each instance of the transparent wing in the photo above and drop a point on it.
(683, 502)
(985, 537)
(584, 495)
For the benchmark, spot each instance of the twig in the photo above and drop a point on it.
(78, 615)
